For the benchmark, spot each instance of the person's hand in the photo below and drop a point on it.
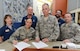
(66, 41)
(37, 39)
(45, 40)
(26, 40)
(1, 40)
(14, 42)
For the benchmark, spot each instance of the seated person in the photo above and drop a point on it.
(70, 32)
(24, 33)
(7, 29)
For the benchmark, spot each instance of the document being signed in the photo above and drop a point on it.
(21, 45)
(39, 44)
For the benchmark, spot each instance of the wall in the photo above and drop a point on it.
(74, 7)
(1, 13)
(59, 4)
(16, 8)
(73, 4)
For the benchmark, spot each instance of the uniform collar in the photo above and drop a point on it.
(69, 24)
(9, 27)
(31, 29)
(31, 17)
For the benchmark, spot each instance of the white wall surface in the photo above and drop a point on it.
(1, 13)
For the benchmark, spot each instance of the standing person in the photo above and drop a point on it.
(7, 29)
(47, 28)
(24, 33)
(60, 21)
(70, 31)
(59, 17)
(30, 16)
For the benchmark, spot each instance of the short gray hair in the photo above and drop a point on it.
(45, 4)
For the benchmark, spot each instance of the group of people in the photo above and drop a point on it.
(46, 28)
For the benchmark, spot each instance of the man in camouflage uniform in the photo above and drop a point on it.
(24, 33)
(47, 27)
(70, 32)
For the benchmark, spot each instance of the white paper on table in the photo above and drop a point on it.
(21, 45)
(39, 44)
(2, 49)
(77, 46)
(71, 45)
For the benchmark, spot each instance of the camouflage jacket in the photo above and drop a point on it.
(22, 33)
(70, 31)
(47, 29)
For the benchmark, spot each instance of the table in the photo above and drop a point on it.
(9, 47)
(49, 48)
